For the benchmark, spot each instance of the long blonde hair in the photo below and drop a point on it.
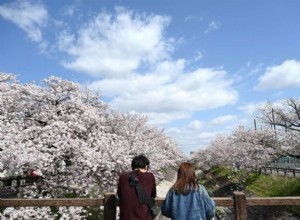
(186, 179)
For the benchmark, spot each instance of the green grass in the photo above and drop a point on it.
(257, 184)
(272, 185)
(221, 170)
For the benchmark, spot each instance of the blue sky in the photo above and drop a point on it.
(195, 68)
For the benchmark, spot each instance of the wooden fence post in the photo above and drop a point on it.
(240, 206)
(110, 209)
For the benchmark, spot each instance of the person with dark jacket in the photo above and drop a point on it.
(130, 207)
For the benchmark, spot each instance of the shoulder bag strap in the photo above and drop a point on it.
(142, 195)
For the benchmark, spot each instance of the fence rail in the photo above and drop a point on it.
(294, 172)
(239, 202)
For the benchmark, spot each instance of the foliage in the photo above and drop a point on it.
(255, 184)
(284, 114)
(243, 148)
(78, 144)
(251, 149)
(272, 185)
(221, 170)
(258, 184)
(284, 118)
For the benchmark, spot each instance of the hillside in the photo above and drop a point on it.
(222, 181)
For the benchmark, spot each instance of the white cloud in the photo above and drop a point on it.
(71, 9)
(198, 56)
(251, 112)
(29, 17)
(190, 140)
(169, 89)
(198, 134)
(250, 109)
(281, 76)
(255, 70)
(190, 18)
(212, 26)
(131, 56)
(196, 125)
(163, 74)
(116, 46)
(222, 120)
(206, 136)
(164, 118)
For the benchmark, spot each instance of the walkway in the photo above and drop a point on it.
(163, 187)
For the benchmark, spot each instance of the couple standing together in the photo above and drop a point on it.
(186, 199)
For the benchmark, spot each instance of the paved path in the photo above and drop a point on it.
(163, 187)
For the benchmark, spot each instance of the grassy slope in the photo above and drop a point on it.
(254, 183)
(222, 181)
(272, 185)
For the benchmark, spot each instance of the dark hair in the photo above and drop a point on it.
(139, 161)
(186, 179)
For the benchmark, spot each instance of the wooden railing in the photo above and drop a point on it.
(239, 202)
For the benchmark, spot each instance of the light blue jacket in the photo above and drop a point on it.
(196, 205)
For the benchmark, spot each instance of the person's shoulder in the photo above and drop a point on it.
(145, 174)
(124, 174)
(200, 187)
(149, 174)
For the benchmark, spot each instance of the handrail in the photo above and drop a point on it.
(285, 171)
(239, 202)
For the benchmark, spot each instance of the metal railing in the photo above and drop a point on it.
(293, 172)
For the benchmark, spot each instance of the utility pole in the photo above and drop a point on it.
(273, 117)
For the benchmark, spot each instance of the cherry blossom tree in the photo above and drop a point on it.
(252, 149)
(284, 118)
(242, 148)
(256, 148)
(284, 114)
(76, 141)
(138, 137)
(291, 142)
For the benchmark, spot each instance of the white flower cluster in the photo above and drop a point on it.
(27, 213)
(75, 140)
(63, 213)
(248, 148)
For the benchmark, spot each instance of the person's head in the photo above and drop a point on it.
(186, 179)
(140, 162)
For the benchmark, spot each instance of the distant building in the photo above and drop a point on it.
(287, 161)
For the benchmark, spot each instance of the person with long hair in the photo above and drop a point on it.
(188, 200)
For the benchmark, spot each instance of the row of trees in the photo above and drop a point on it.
(251, 148)
(77, 141)
(80, 144)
